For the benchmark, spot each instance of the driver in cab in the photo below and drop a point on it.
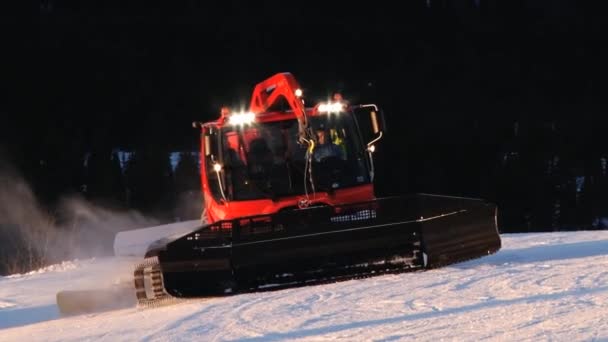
(325, 148)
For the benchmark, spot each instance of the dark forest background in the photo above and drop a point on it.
(500, 99)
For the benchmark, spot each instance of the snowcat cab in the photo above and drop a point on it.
(256, 164)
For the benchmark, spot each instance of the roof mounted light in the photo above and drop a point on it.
(331, 107)
(298, 92)
(242, 118)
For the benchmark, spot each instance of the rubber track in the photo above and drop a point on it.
(150, 268)
(162, 298)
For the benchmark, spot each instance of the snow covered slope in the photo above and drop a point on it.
(551, 286)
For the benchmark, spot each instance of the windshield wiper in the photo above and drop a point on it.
(317, 185)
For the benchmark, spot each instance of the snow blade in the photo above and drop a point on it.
(75, 302)
(304, 246)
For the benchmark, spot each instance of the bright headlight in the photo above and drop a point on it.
(241, 118)
(331, 107)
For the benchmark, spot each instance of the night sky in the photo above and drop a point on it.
(103, 67)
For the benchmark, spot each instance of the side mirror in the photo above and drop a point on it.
(207, 134)
(377, 125)
(207, 143)
(370, 121)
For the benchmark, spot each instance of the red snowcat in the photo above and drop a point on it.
(289, 200)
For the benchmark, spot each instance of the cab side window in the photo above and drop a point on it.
(211, 158)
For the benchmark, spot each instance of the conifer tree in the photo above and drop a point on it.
(187, 185)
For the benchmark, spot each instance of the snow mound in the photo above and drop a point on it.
(4, 305)
(61, 267)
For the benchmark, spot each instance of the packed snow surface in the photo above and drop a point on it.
(545, 286)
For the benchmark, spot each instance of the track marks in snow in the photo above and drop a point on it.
(421, 306)
(192, 322)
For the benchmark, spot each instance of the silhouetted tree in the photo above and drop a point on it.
(188, 187)
(104, 180)
(149, 182)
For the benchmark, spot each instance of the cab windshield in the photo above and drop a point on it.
(264, 160)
